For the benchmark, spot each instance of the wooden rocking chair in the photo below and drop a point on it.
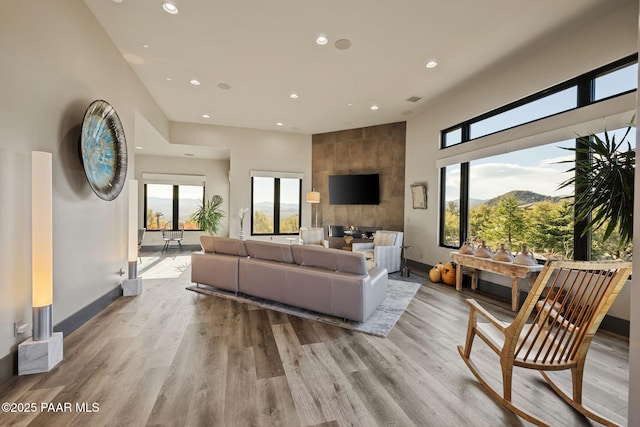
(570, 300)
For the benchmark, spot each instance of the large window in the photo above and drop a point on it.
(275, 204)
(169, 207)
(613, 79)
(513, 198)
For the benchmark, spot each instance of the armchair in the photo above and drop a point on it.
(313, 236)
(385, 251)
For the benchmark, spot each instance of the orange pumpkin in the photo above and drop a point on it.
(434, 275)
(449, 274)
(439, 266)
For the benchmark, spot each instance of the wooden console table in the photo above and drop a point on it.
(515, 271)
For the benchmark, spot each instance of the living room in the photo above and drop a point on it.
(58, 59)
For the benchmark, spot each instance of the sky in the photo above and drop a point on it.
(534, 169)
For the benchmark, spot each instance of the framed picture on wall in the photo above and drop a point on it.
(419, 196)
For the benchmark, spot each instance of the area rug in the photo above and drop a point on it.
(379, 323)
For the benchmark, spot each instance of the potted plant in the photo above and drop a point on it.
(209, 215)
(606, 170)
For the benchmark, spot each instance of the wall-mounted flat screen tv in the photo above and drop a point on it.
(354, 189)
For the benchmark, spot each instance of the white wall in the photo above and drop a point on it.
(217, 182)
(252, 149)
(634, 333)
(55, 61)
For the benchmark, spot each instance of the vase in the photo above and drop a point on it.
(468, 248)
(242, 235)
(525, 257)
(503, 254)
(483, 251)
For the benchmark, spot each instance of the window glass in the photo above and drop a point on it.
(543, 107)
(263, 205)
(452, 137)
(289, 205)
(514, 199)
(189, 200)
(451, 236)
(159, 213)
(616, 82)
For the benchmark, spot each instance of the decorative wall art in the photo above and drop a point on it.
(104, 150)
(419, 196)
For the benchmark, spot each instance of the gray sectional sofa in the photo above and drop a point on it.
(329, 281)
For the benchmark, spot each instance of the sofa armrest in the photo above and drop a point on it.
(375, 290)
(361, 246)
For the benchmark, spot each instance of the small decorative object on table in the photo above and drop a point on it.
(243, 212)
(468, 248)
(525, 257)
(503, 254)
(483, 251)
(348, 239)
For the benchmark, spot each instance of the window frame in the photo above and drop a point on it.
(585, 84)
(276, 203)
(175, 208)
(585, 96)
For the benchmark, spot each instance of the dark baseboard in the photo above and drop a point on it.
(73, 322)
(9, 363)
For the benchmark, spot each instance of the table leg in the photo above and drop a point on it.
(459, 277)
(515, 294)
(474, 278)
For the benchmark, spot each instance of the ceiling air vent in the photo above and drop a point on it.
(414, 99)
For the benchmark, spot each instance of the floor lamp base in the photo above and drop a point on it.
(35, 357)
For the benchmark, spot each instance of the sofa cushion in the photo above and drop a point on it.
(315, 256)
(329, 259)
(269, 251)
(352, 262)
(223, 245)
(383, 238)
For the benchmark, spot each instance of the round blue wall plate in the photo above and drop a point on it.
(103, 148)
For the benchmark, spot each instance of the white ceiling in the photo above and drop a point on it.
(265, 50)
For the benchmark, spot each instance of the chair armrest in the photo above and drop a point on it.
(477, 308)
(361, 246)
(325, 243)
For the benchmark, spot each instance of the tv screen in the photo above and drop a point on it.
(354, 189)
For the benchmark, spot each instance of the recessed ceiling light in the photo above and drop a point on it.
(294, 96)
(139, 147)
(322, 40)
(170, 7)
(224, 86)
(117, 1)
(146, 46)
(206, 116)
(279, 124)
(349, 104)
(168, 78)
(431, 64)
(374, 107)
(195, 82)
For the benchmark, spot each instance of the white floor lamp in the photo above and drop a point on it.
(44, 349)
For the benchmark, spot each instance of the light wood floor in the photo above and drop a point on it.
(175, 357)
